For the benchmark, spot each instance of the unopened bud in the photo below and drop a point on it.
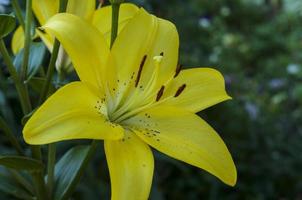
(63, 63)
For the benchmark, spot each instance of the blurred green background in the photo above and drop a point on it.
(257, 45)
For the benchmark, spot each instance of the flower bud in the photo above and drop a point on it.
(63, 63)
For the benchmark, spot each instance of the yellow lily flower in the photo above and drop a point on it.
(133, 96)
(45, 9)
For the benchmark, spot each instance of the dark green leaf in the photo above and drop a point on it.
(67, 168)
(21, 163)
(7, 24)
(37, 52)
(9, 186)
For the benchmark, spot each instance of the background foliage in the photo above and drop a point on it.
(257, 45)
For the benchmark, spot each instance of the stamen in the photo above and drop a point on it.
(160, 93)
(180, 90)
(178, 69)
(140, 70)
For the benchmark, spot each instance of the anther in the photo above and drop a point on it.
(180, 90)
(160, 93)
(178, 69)
(140, 70)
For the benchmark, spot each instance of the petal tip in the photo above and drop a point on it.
(231, 179)
(228, 98)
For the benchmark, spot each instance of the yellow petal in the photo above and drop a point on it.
(184, 136)
(18, 40)
(132, 43)
(102, 18)
(149, 62)
(81, 8)
(45, 9)
(165, 43)
(83, 43)
(160, 65)
(71, 113)
(203, 87)
(131, 165)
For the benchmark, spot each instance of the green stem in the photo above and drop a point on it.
(79, 174)
(3, 84)
(18, 12)
(38, 177)
(52, 63)
(26, 108)
(114, 23)
(51, 167)
(22, 92)
(11, 137)
(39, 186)
(28, 21)
(50, 72)
(36, 152)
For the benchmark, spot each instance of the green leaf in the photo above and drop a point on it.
(7, 24)
(67, 168)
(36, 56)
(9, 186)
(21, 163)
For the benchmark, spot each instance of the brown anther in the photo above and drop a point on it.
(140, 70)
(160, 93)
(180, 90)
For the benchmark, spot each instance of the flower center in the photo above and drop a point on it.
(131, 99)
